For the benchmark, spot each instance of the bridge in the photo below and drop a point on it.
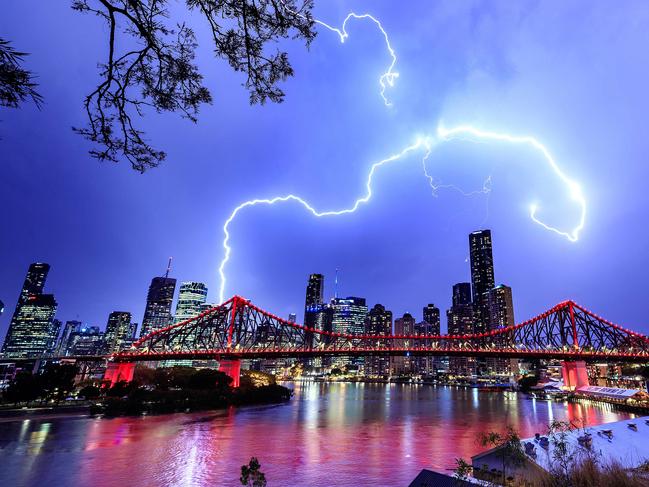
(238, 330)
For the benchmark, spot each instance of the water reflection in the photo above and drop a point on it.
(342, 434)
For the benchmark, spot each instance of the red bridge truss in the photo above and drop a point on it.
(237, 329)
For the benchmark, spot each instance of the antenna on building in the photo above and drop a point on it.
(168, 267)
(336, 285)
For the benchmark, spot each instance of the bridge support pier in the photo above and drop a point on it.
(575, 374)
(120, 371)
(231, 368)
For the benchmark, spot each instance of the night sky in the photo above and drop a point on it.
(571, 73)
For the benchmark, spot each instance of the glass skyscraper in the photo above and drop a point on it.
(191, 300)
(32, 332)
(118, 329)
(482, 276)
(157, 313)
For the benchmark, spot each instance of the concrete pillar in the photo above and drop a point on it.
(575, 374)
(121, 371)
(232, 368)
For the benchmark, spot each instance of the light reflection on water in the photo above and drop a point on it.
(329, 434)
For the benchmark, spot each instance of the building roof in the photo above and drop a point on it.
(608, 391)
(429, 478)
(624, 442)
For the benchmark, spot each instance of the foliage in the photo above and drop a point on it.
(152, 67)
(16, 83)
(90, 392)
(58, 380)
(463, 469)
(175, 389)
(24, 388)
(251, 474)
(510, 448)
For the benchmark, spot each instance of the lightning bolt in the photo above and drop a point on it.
(389, 77)
(443, 134)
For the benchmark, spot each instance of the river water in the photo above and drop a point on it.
(329, 434)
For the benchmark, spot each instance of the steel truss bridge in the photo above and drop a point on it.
(237, 329)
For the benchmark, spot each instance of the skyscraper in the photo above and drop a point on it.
(431, 321)
(405, 325)
(117, 330)
(349, 314)
(501, 315)
(314, 290)
(292, 318)
(349, 317)
(460, 321)
(378, 323)
(191, 299)
(70, 327)
(482, 275)
(462, 293)
(157, 313)
(31, 328)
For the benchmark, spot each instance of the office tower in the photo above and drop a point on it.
(378, 323)
(117, 331)
(70, 327)
(292, 318)
(349, 318)
(34, 281)
(403, 326)
(191, 298)
(460, 321)
(462, 293)
(88, 340)
(31, 328)
(431, 318)
(482, 276)
(349, 315)
(501, 315)
(132, 331)
(314, 290)
(429, 365)
(55, 329)
(312, 303)
(157, 313)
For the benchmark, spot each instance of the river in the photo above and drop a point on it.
(328, 434)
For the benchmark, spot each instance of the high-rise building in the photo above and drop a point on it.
(70, 327)
(405, 325)
(157, 313)
(378, 323)
(55, 329)
(117, 331)
(460, 321)
(314, 290)
(191, 298)
(431, 324)
(349, 317)
(31, 327)
(34, 281)
(462, 293)
(349, 314)
(482, 276)
(292, 318)
(88, 340)
(501, 315)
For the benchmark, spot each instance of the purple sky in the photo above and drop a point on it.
(571, 73)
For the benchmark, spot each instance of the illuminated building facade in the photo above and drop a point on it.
(482, 276)
(32, 331)
(118, 331)
(157, 313)
(378, 323)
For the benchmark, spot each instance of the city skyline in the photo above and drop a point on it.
(105, 251)
(488, 307)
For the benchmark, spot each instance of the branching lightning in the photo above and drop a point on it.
(388, 78)
(426, 144)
